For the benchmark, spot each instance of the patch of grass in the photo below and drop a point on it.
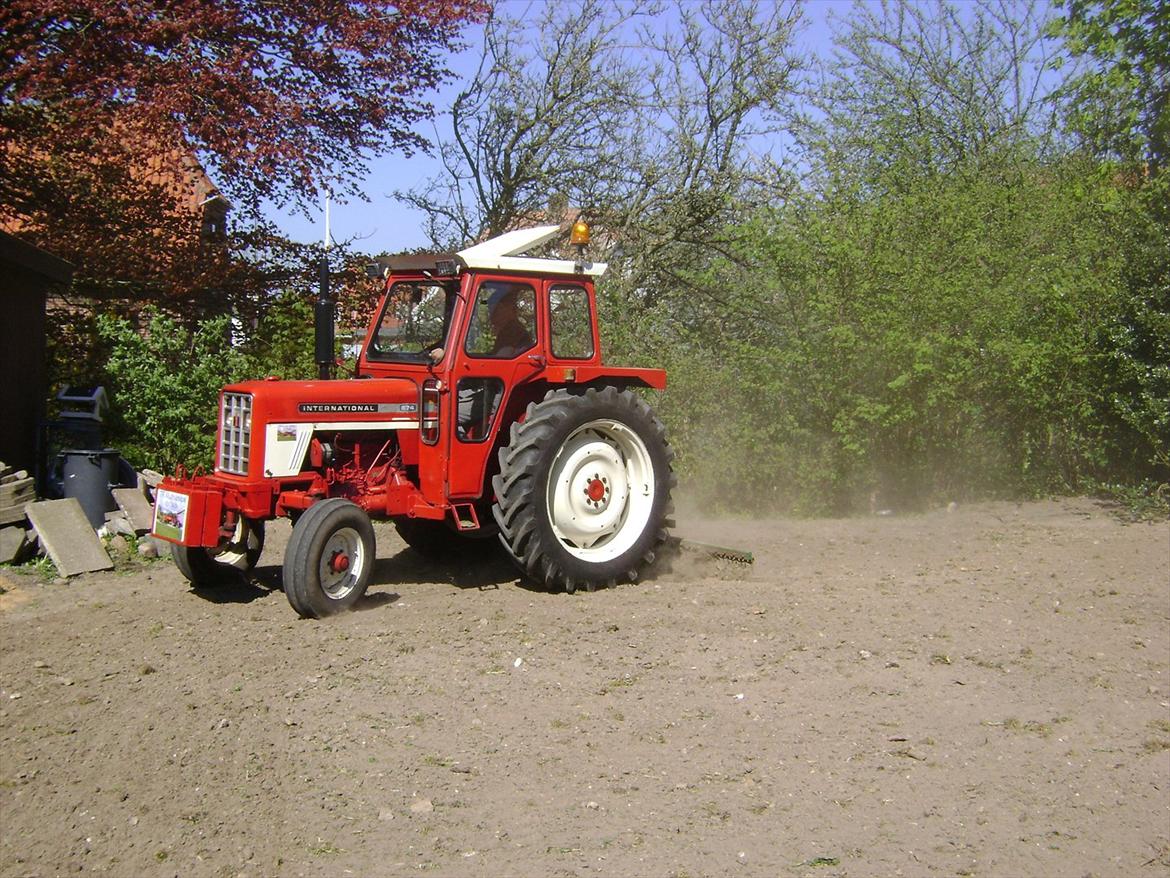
(1034, 727)
(623, 682)
(42, 567)
(712, 810)
(820, 861)
(324, 848)
(1159, 725)
(437, 761)
(986, 664)
(161, 856)
(558, 724)
(1149, 501)
(1156, 745)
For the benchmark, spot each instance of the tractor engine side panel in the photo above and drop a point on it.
(286, 446)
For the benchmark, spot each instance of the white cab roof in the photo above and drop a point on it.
(502, 254)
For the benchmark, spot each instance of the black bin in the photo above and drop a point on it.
(88, 475)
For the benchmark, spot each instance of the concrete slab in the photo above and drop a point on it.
(138, 510)
(67, 536)
(13, 543)
(118, 523)
(151, 477)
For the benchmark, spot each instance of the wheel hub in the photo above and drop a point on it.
(342, 563)
(597, 490)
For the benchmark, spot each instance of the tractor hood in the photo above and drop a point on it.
(266, 427)
(373, 400)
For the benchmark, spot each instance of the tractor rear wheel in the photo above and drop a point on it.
(329, 559)
(225, 563)
(583, 493)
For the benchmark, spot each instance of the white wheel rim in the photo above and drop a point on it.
(235, 551)
(600, 490)
(342, 563)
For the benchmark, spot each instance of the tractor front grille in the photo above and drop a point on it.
(235, 432)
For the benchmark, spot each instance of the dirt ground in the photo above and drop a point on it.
(978, 692)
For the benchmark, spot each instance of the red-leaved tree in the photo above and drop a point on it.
(103, 104)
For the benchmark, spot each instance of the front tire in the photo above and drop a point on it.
(583, 494)
(225, 563)
(329, 559)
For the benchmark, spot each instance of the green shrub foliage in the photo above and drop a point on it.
(165, 377)
(970, 336)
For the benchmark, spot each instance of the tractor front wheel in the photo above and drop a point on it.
(209, 567)
(583, 494)
(329, 559)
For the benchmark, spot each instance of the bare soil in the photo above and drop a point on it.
(977, 692)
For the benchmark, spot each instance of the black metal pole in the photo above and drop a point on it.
(323, 317)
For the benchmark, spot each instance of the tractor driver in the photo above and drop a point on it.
(511, 335)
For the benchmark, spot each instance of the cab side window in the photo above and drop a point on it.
(503, 324)
(572, 326)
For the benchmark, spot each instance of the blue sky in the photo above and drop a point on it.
(384, 225)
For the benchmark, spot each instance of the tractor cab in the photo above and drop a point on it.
(483, 333)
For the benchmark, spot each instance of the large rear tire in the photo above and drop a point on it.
(329, 559)
(583, 493)
(225, 563)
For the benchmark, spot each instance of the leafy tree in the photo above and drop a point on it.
(278, 98)
(653, 144)
(930, 88)
(103, 104)
(1121, 104)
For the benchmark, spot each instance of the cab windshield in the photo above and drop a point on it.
(414, 321)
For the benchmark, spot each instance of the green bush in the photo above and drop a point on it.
(965, 337)
(164, 377)
(164, 381)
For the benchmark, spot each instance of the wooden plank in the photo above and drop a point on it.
(7, 475)
(12, 515)
(15, 492)
(67, 536)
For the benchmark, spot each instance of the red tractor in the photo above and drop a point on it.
(480, 409)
